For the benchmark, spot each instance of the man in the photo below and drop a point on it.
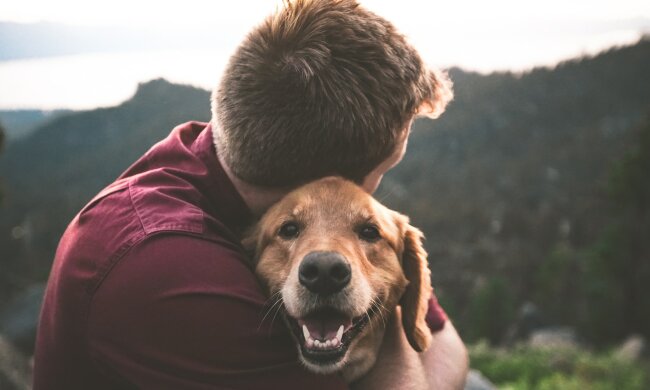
(150, 287)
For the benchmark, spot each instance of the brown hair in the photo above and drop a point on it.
(321, 87)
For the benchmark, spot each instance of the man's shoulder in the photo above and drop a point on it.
(127, 212)
(153, 202)
(176, 261)
(164, 202)
(183, 263)
(135, 211)
(169, 192)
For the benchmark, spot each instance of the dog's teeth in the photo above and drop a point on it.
(339, 334)
(334, 342)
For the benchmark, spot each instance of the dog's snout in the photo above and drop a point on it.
(324, 272)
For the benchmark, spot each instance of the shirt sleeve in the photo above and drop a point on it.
(184, 312)
(436, 316)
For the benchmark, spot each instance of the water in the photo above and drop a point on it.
(105, 79)
(101, 79)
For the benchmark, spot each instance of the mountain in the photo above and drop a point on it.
(509, 183)
(19, 123)
(49, 174)
(516, 171)
(537, 143)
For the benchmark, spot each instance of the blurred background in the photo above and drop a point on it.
(533, 189)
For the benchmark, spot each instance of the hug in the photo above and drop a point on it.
(248, 253)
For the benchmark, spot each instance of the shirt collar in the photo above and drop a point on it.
(224, 199)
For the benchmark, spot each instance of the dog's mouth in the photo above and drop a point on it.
(325, 334)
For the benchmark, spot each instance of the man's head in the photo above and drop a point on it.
(322, 87)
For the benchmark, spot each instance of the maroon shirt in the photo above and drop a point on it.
(150, 287)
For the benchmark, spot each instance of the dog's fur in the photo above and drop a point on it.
(331, 214)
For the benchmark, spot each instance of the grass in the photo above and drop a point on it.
(526, 368)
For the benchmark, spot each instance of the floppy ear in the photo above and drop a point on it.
(415, 299)
(252, 242)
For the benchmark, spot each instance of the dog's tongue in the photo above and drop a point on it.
(324, 325)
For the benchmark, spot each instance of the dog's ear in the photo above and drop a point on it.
(415, 299)
(252, 242)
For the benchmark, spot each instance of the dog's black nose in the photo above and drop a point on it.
(324, 272)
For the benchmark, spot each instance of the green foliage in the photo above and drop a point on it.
(525, 368)
(606, 277)
(557, 280)
(629, 182)
(617, 271)
(603, 284)
(491, 310)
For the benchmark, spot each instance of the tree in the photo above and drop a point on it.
(617, 272)
(2, 141)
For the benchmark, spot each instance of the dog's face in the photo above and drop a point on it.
(340, 262)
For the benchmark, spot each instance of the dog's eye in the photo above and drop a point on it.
(289, 230)
(369, 233)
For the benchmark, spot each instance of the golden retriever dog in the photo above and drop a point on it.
(339, 262)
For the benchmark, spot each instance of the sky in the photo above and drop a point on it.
(477, 35)
(411, 15)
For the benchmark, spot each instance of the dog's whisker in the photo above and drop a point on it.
(268, 312)
(273, 298)
(385, 312)
(385, 195)
(378, 308)
(371, 310)
(276, 304)
(368, 317)
(277, 310)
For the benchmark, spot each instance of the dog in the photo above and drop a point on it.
(339, 263)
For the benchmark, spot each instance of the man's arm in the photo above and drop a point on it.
(443, 366)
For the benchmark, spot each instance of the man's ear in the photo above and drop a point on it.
(415, 299)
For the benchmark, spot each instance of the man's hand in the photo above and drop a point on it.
(443, 366)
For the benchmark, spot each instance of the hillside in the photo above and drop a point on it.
(20, 123)
(518, 168)
(513, 173)
(50, 174)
